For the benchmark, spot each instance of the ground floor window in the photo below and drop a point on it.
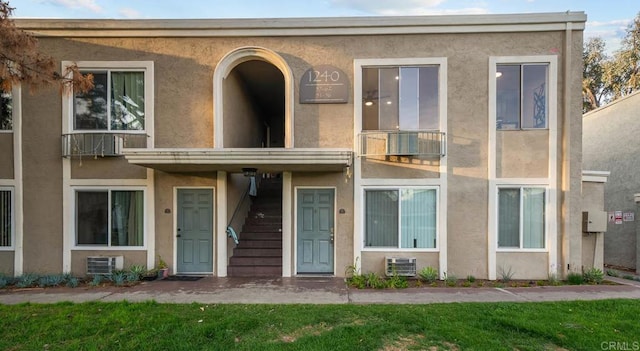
(521, 217)
(110, 217)
(6, 217)
(400, 217)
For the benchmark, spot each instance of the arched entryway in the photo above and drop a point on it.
(253, 100)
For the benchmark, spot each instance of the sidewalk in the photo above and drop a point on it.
(320, 290)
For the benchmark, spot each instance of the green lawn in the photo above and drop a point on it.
(463, 326)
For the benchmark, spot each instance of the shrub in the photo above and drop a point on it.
(97, 280)
(73, 282)
(397, 282)
(471, 278)
(118, 277)
(373, 280)
(451, 279)
(506, 274)
(575, 278)
(612, 273)
(27, 280)
(428, 274)
(593, 276)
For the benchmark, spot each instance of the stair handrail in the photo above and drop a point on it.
(231, 233)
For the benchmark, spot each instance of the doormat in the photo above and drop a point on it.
(183, 278)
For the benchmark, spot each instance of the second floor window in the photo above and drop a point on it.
(522, 96)
(400, 98)
(116, 103)
(6, 111)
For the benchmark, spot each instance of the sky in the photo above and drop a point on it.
(607, 19)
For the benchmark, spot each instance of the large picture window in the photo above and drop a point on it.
(116, 103)
(6, 217)
(521, 218)
(6, 110)
(522, 96)
(400, 218)
(110, 217)
(400, 98)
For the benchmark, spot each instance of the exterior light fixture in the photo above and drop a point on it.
(368, 103)
(249, 172)
(498, 74)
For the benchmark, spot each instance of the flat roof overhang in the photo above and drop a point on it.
(233, 160)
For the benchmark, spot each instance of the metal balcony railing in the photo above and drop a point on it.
(402, 143)
(100, 144)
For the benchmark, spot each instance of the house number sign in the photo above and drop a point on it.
(324, 84)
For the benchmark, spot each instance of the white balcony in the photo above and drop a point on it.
(402, 143)
(100, 144)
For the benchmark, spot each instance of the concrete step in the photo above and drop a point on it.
(257, 244)
(255, 261)
(257, 252)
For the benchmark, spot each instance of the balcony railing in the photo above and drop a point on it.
(403, 143)
(100, 144)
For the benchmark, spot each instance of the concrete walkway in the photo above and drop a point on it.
(317, 290)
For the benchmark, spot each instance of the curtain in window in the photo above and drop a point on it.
(127, 100)
(381, 218)
(509, 218)
(127, 217)
(418, 218)
(533, 218)
(5, 217)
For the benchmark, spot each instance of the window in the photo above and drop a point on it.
(6, 110)
(110, 217)
(521, 218)
(521, 99)
(400, 218)
(116, 103)
(400, 98)
(6, 217)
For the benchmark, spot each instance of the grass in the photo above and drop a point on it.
(577, 325)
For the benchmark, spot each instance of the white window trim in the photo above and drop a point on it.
(145, 66)
(521, 234)
(441, 182)
(365, 248)
(75, 247)
(551, 181)
(12, 191)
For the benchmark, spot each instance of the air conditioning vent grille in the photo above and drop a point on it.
(103, 264)
(400, 266)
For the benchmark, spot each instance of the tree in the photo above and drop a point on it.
(22, 62)
(624, 72)
(595, 89)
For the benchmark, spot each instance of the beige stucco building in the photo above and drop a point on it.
(454, 140)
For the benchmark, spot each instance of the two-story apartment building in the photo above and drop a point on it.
(318, 143)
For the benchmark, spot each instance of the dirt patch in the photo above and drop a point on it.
(403, 343)
(316, 330)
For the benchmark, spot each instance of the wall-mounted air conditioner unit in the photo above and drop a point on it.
(400, 266)
(104, 264)
(403, 144)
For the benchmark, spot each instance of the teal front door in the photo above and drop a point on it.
(315, 225)
(195, 231)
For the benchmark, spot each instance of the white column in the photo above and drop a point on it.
(221, 228)
(287, 251)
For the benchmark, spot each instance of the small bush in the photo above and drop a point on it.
(575, 278)
(118, 277)
(471, 278)
(428, 274)
(506, 274)
(593, 276)
(397, 282)
(97, 280)
(4, 281)
(612, 273)
(450, 279)
(628, 277)
(373, 280)
(73, 282)
(27, 280)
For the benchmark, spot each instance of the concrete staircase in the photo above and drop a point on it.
(259, 253)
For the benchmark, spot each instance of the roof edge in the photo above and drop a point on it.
(309, 26)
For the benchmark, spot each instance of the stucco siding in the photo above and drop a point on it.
(79, 259)
(7, 259)
(105, 168)
(523, 265)
(522, 154)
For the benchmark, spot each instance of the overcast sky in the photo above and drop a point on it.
(606, 18)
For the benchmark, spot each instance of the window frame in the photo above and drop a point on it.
(398, 188)
(521, 248)
(109, 189)
(12, 203)
(147, 67)
(551, 88)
